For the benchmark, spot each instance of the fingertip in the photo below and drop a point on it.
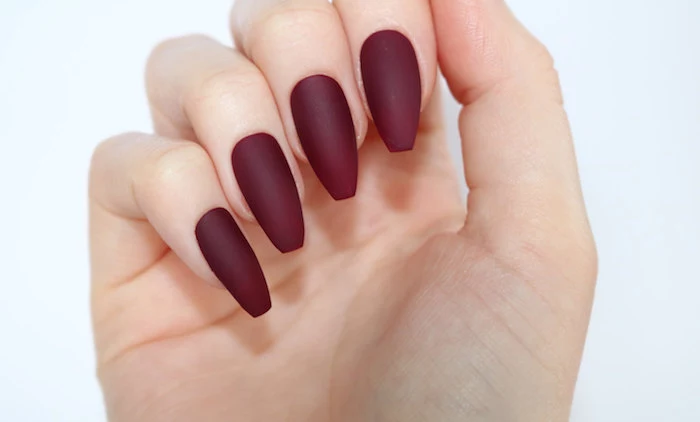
(260, 308)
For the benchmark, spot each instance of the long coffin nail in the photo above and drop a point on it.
(268, 186)
(233, 261)
(327, 133)
(392, 83)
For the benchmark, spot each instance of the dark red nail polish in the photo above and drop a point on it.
(392, 83)
(233, 261)
(327, 133)
(268, 186)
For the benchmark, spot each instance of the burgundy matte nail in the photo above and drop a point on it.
(392, 83)
(327, 133)
(268, 186)
(233, 261)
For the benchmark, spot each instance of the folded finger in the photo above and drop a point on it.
(171, 186)
(301, 48)
(196, 84)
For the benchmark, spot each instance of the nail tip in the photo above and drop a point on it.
(396, 149)
(292, 247)
(259, 313)
(256, 309)
(342, 195)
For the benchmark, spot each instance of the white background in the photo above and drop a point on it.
(71, 74)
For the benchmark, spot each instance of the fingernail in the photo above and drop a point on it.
(233, 261)
(327, 133)
(393, 88)
(268, 186)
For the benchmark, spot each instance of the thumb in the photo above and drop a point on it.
(518, 153)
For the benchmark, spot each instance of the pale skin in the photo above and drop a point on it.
(403, 305)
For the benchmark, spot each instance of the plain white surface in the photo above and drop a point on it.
(71, 74)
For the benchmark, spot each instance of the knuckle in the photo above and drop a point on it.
(103, 154)
(286, 19)
(174, 44)
(579, 250)
(541, 55)
(164, 53)
(222, 86)
(170, 167)
(572, 251)
(106, 162)
(589, 258)
(543, 68)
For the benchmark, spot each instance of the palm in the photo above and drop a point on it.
(384, 293)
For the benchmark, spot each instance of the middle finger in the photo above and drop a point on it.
(302, 50)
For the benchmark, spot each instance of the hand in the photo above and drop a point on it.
(403, 304)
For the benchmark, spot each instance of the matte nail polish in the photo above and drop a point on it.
(268, 186)
(327, 133)
(391, 78)
(233, 261)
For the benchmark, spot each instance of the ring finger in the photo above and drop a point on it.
(301, 48)
(204, 91)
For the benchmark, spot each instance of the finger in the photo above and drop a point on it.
(518, 153)
(301, 48)
(195, 82)
(393, 48)
(140, 183)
